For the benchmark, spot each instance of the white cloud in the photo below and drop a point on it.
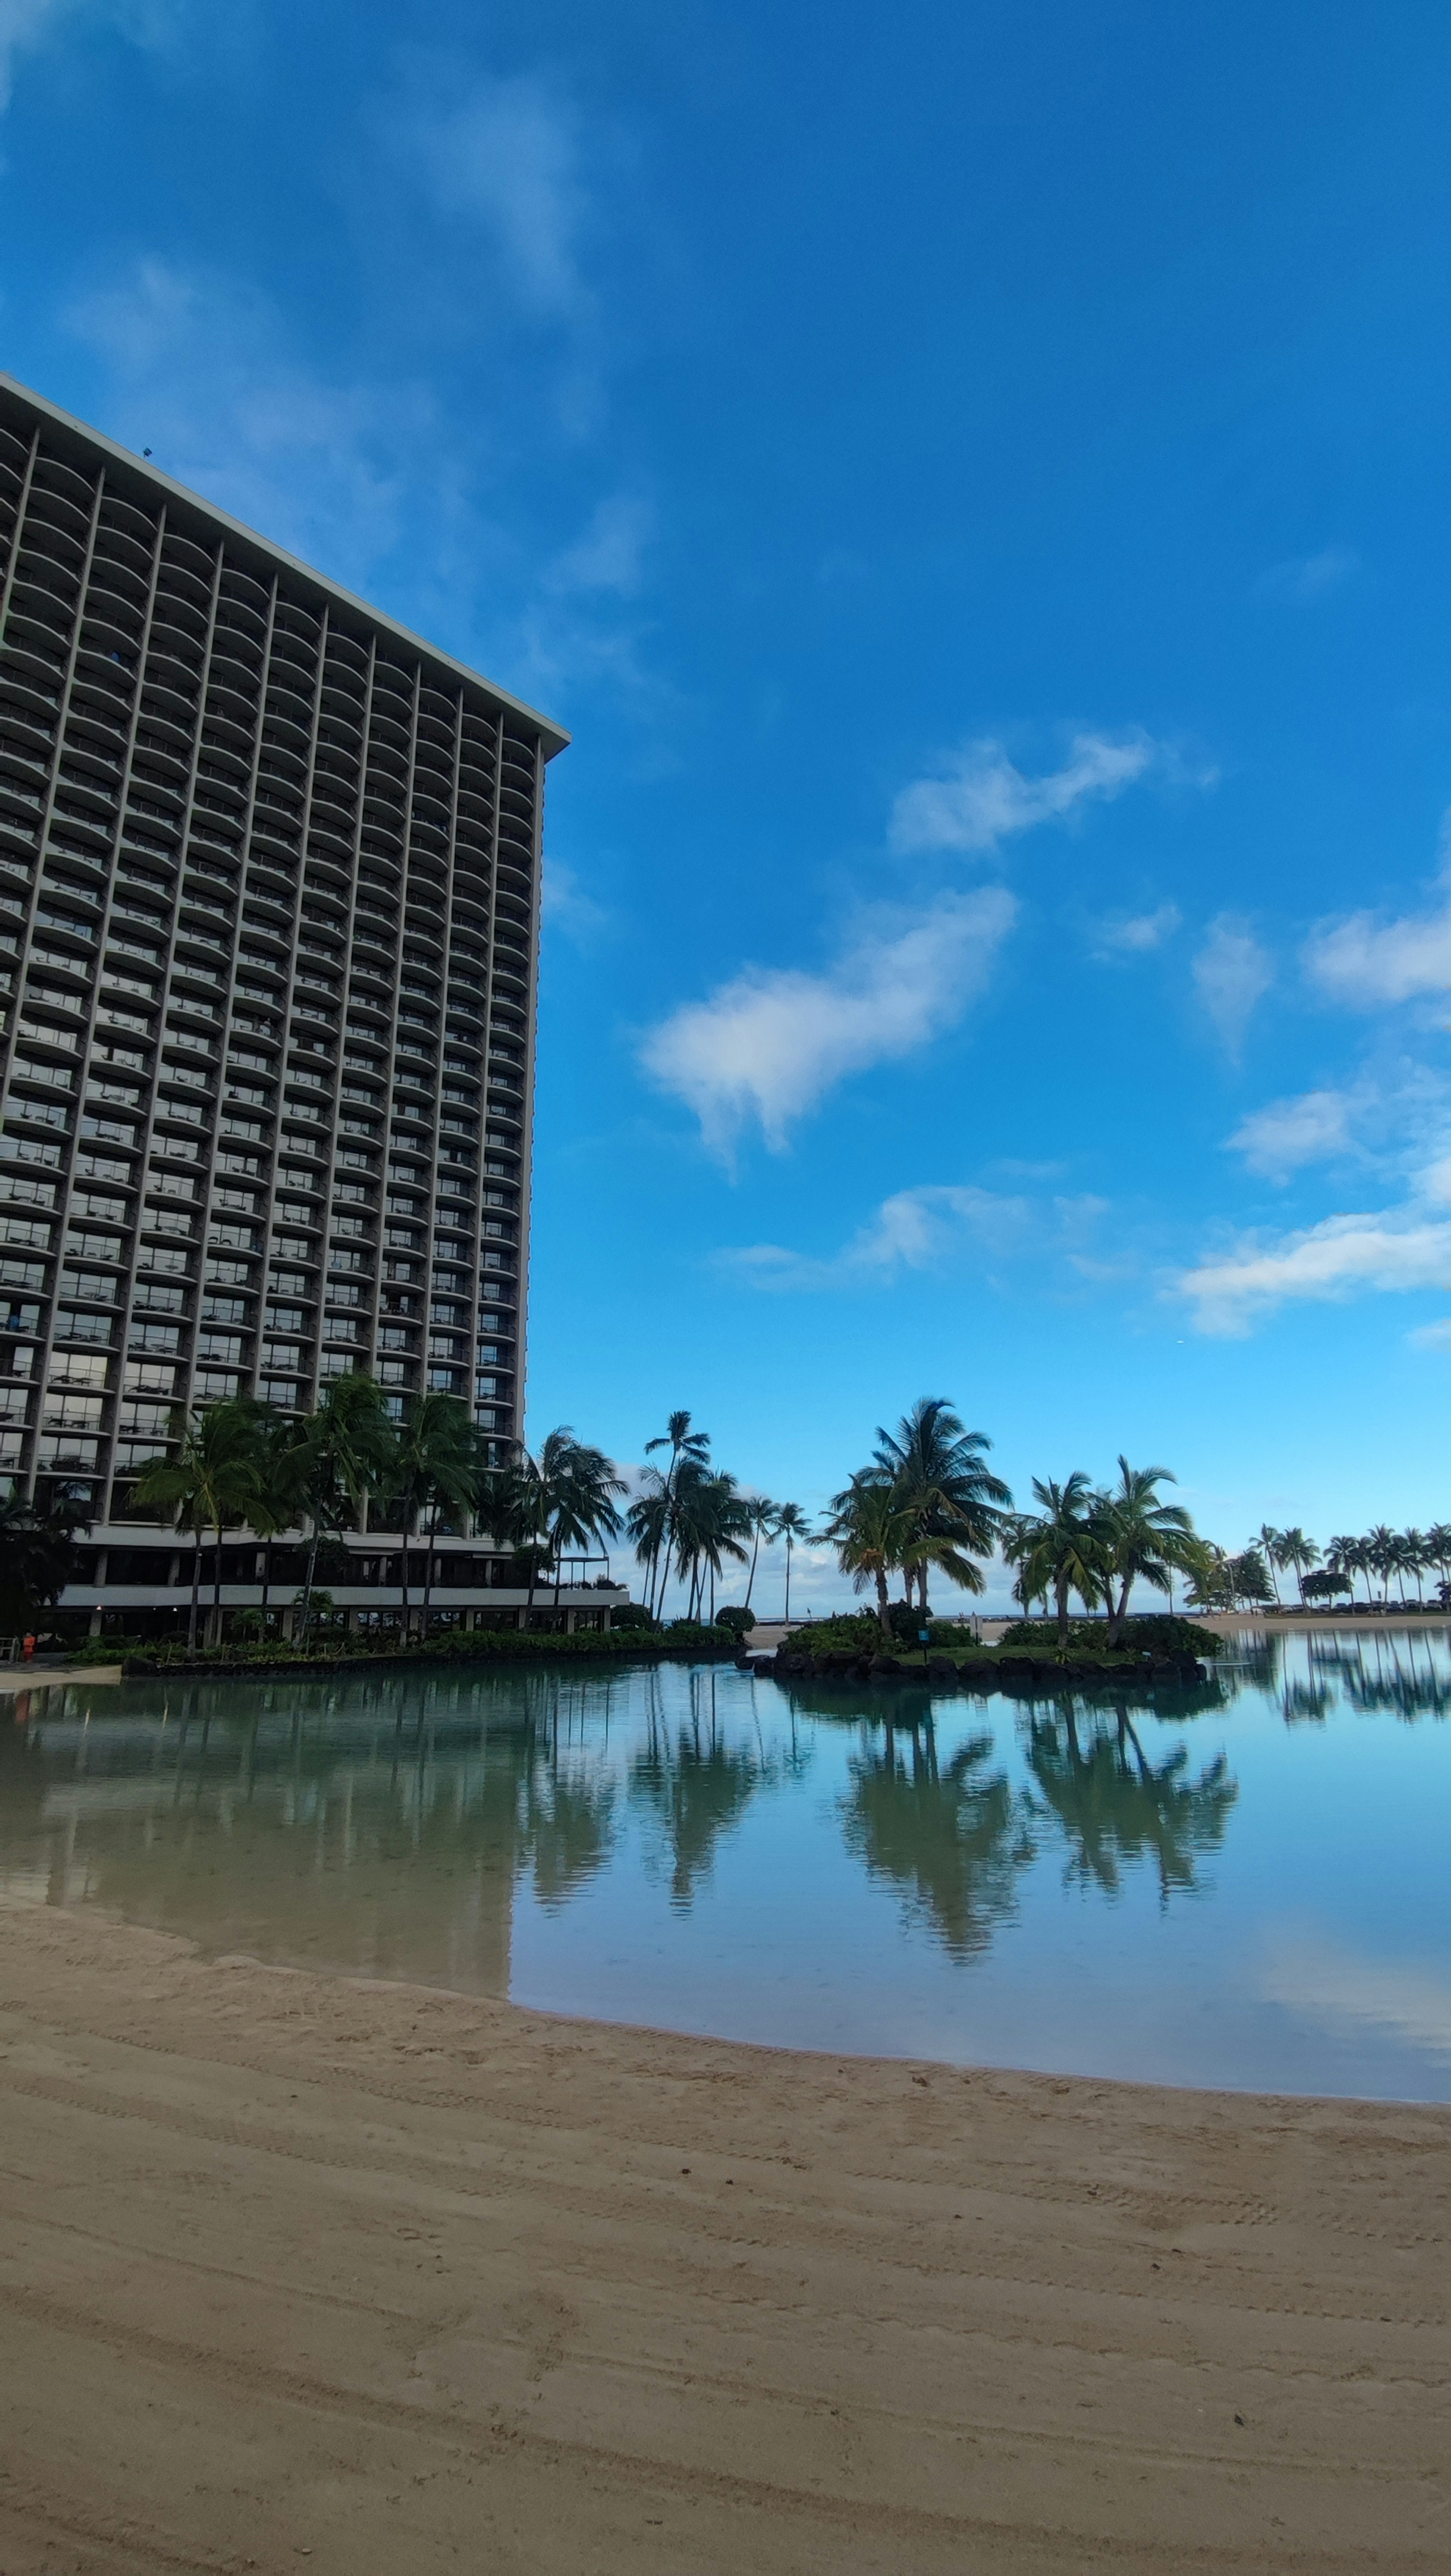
(933, 1227)
(1233, 973)
(1134, 934)
(1342, 1257)
(1280, 1138)
(1307, 577)
(507, 155)
(982, 798)
(769, 1045)
(1365, 961)
(1432, 1337)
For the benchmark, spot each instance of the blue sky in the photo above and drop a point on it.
(973, 482)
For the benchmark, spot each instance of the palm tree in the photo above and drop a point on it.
(1437, 1545)
(1343, 1556)
(345, 1455)
(938, 1468)
(208, 1482)
(37, 1558)
(710, 1522)
(1270, 1541)
(761, 1515)
(793, 1526)
(435, 1462)
(647, 1525)
(1300, 1552)
(578, 1488)
(1380, 1556)
(1060, 1548)
(1143, 1539)
(686, 1447)
(871, 1530)
(271, 1509)
(1412, 1559)
(561, 1499)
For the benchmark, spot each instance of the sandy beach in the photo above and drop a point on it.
(375, 2279)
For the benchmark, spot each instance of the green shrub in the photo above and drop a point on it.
(1159, 1631)
(632, 1614)
(740, 1620)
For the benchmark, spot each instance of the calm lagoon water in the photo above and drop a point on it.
(1246, 1885)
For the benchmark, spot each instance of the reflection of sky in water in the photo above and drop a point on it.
(1243, 1885)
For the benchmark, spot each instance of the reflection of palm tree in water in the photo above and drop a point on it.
(698, 1787)
(945, 1835)
(566, 1828)
(1115, 1806)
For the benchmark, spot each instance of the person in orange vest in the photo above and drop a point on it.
(28, 1649)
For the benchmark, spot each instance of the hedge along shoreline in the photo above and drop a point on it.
(481, 1646)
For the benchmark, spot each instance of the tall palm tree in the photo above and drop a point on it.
(1144, 1540)
(1342, 1556)
(345, 1455)
(1270, 1541)
(1298, 1552)
(939, 1469)
(434, 1464)
(1380, 1556)
(711, 1521)
(793, 1526)
(578, 1487)
(687, 1448)
(1413, 1560)
(647, 1526)
(761, 1515)
(208, 1482)
(1060, 1547)
(871, 1530)
(560, 1499)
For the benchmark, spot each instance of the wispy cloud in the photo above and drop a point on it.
(204, 376)
(568, 908)
(1121, 936)
(981, 798)
(1233, 973)
(1281, 1138)
(506, 154)
(767, 1046)
(1384, 1252)
(27, 25)
(1368, 961)
(608, 555)
(937, 1226)
(1313, 576)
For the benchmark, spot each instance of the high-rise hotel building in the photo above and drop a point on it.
(269, 908)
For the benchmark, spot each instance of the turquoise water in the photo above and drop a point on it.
(1245, 1886)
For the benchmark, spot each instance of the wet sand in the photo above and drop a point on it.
(373, 2279)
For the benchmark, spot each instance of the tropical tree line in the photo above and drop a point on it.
(239, 1464)
(927, 1500)
(1379, 1559)
(689, 1520)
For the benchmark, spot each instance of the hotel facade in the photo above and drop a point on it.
(269, 918)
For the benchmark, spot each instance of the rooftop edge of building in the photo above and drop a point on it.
(150, 483)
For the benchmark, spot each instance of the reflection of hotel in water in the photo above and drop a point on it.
(269, 878)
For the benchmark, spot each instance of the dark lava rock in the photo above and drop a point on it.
(941, 1668)
(883, 1666)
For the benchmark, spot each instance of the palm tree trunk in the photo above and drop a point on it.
(883, 1613)
(428, 1574)
(266, 1584)
(788, 1578)
(308, 1581)
(217, 1593)
(407, 1605)
(196, 1591)
(1063, 1590)
(755, 1551)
